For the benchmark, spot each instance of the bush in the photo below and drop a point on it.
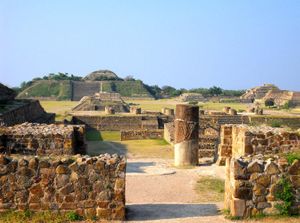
(288, 105)
(73, 216)
(291, 157)
(285, 194)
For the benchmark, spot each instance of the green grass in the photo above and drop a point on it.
(94, 135)
(127, 88)
(33, 217)
(60, 90)
(61, 108)
(210, 189)
(291, 157)
(219, 106)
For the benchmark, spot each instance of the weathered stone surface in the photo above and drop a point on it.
(271, 168)
(186, 135)
(42, 139)
(260, 190)
(92, 186)
(255, 167)
(295, 168)
(237, 207)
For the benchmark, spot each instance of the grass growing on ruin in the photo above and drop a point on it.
(210, 189)
(33, 217)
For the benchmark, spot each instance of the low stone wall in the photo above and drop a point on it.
(252, 183)
(240, 140)
(118, 122)
(90, 186)
(142, 134)
(291, 122)
(30, 111)
(42, 139)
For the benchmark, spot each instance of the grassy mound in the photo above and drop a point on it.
(59, 90)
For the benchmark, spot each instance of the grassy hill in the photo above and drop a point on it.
(51, 89)
(127, 88)
(62, 89)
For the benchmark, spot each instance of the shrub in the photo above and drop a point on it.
(285, 194)
(73, 216)
(291, 157)
(288, 105)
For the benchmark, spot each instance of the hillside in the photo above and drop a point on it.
(75, 90)
(48, 89)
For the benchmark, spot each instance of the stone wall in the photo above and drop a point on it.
(118, 122)
(42, 139)
(252, 183)
(29, 111)
(209, 131)
(141, 134)
(91, 186)
(240, 140)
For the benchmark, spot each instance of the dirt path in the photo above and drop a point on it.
(153, 195)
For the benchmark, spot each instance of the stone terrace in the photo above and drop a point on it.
(42, 139)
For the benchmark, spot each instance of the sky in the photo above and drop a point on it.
(181, 43)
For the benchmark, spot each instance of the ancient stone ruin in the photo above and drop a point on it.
(271, 92)
(100, 101)
(241, 140)
(253, 183)
(42, 139)
(14, 111)
(186, 97)
(186, 135)
(90, 186)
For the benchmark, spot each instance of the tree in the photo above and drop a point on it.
(129, 78)
(215, 91)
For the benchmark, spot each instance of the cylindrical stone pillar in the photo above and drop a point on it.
(186, 135)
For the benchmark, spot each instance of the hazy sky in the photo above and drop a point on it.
(232, 44)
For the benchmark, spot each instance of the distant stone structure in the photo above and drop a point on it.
(100, 75)
(99, 101)
(186, 97)
(18, 111)
(270, 91)
(186, 135)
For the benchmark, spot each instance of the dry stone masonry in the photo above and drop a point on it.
(253, 183)
(240, 140)
(91, 186)
(42, 139)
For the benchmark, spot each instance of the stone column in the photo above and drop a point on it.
(186, 135)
